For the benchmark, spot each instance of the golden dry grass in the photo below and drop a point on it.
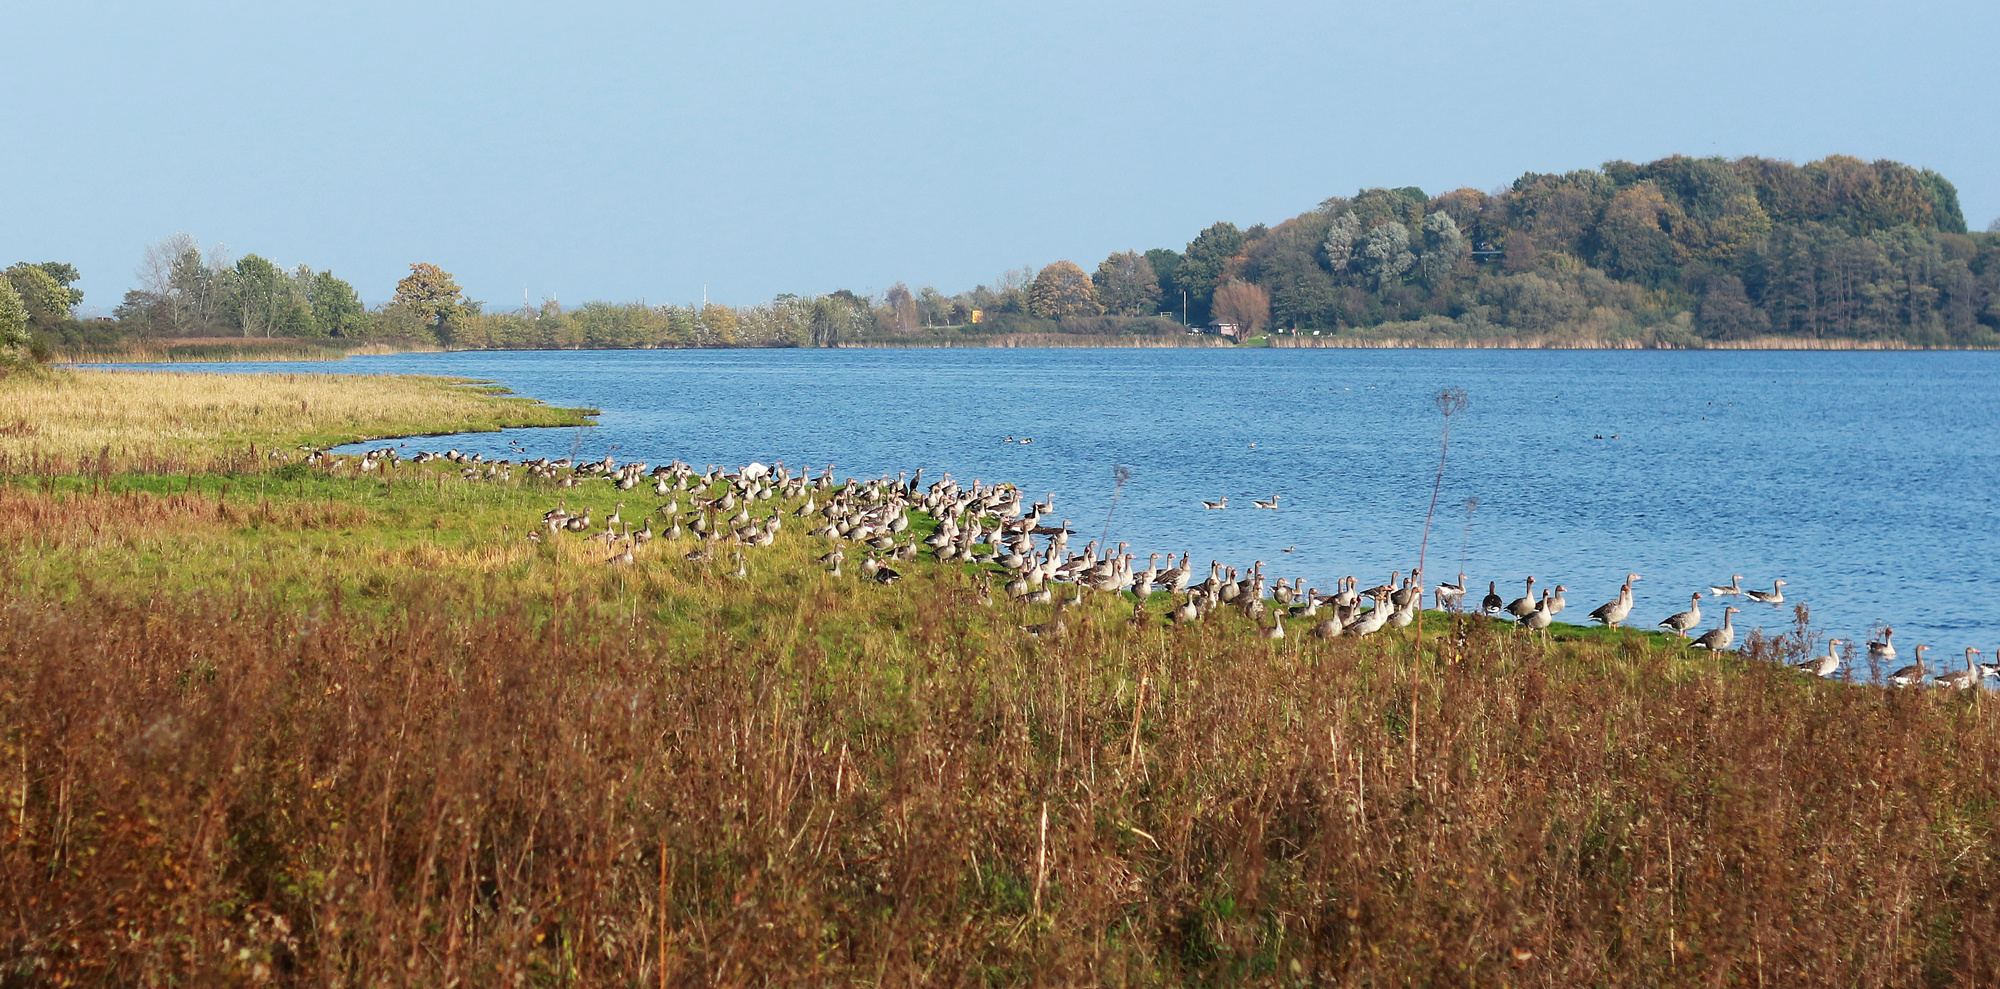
(78, 413)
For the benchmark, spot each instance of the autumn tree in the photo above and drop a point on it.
(430, 293)
(1127, 285)
(1061, 291)
(901, 306)
(1245, 304)
(718, 324)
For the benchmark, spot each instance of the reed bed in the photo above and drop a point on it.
(85, 413)
(348, 732)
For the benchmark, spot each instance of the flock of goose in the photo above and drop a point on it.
(988, 524)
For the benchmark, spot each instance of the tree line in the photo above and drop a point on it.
(1678, 251)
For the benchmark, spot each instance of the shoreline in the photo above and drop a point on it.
(307, 352)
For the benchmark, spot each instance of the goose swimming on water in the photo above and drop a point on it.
(1883, 651)
(1735, 586)
(1776, 595)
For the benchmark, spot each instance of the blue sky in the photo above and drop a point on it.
(643, 150)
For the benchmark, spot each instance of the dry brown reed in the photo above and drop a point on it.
(801, 779)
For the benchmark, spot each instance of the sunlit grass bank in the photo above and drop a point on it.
(75, 413)
(316, 726)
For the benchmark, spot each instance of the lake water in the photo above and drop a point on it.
(1866, 480)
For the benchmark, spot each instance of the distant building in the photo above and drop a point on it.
(1220, 328)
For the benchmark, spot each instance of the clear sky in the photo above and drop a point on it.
(612, 150)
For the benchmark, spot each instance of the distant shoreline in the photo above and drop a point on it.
(168, 352)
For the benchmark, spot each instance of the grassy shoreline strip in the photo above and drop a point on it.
(69, 413)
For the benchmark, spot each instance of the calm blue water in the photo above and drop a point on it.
(1865, 480)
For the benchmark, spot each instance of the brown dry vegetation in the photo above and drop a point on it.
(478, 762)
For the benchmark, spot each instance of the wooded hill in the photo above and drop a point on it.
(1678, 250)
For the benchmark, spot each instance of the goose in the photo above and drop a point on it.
(1492, 604)
(1735, 586)
(1346, 596)
(1883, 651)
(1371, 622)
(884, 575)
(1524, 605)
(1411, 592)
(1776, 595)
(1277, 629)
(1718, 639)
(1911, 674)
(1187, 612)
(1052, 627)
(1611, 613)
(1273, 503)
(1541, 617)
(1451, 594)
(1329, 629)
(1681, 622)
(1965, 678)
(1402, 614)
(1216, 506)
(1823, 666)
